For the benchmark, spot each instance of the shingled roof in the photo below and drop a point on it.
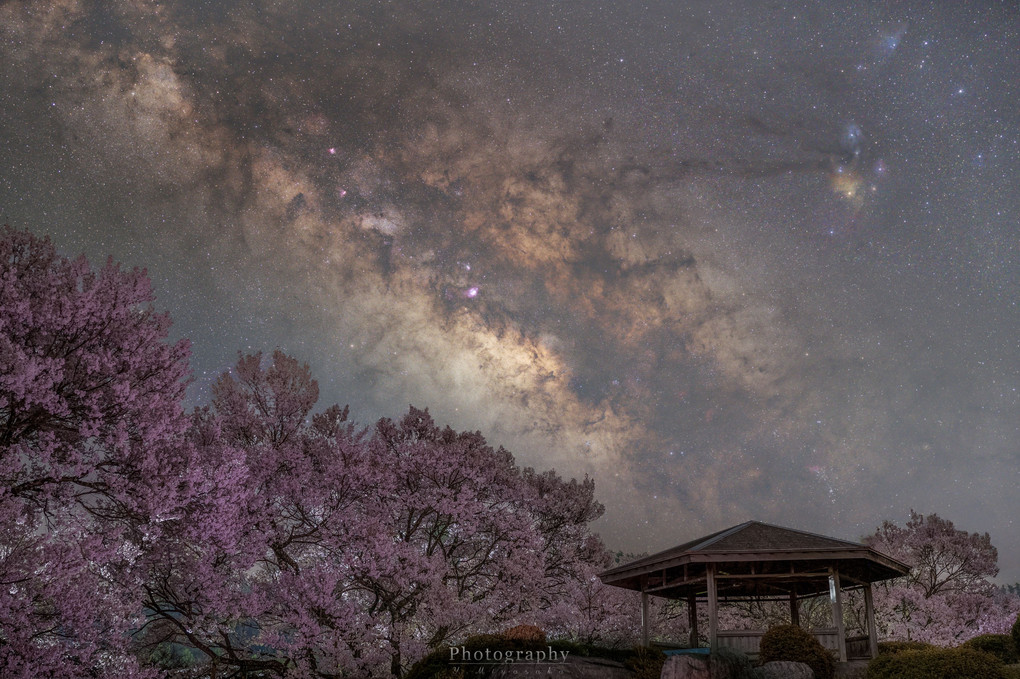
(768, 557)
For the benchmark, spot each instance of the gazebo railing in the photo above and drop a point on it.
(744, 640)
(858, 647)
(749, 641)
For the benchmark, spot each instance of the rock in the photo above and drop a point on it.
(728, 663)
(724, 664)
(686, 667)
(785, 669)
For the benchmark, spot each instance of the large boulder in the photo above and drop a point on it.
(686, 667)
(723, 663)
(785, 669)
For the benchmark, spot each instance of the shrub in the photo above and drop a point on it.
(1016, 633)
(646, 663)
(936, 663)
(999, 645)
(728, 663)
(890, 647)
(525, 632)
(790, 642)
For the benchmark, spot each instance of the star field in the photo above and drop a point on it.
(733, 261)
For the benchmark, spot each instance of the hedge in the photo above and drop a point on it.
(938, 663)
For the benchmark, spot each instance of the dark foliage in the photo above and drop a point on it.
(791, 642)
(937, 663)
(999, 645)
(727, 663)
(891, 647)
(1016, 633)
(646, 663)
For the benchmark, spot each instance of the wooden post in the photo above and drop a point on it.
(644, 619)
(869, 611)
(692, 619)
(713, 608)
(794, 609)
(836, 598)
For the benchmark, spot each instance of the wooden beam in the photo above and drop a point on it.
(741, 599)
(675, 583)
(816, 555)
(794, 609)
(867, 557)
(644, 618)
(692, 620)
(713, 608)
(822, 574)
(856, 581)
(836, 597)
(869, 612)
(625, 572)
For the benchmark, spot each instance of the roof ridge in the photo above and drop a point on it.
(682, 548)
(809, 533)
(716, 537)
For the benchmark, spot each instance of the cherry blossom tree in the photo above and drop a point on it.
(594, 613)
(459, 550)
(947, 597)
(261, 579)
(90, 393)
(571, 601)
(942, 558)
(325, 550)
(562, 510)
(260, 536)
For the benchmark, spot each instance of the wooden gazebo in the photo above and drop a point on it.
(761, 561)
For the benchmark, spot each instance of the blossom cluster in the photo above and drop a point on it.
(255, 534)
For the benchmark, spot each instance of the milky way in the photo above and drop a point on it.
(733, 262)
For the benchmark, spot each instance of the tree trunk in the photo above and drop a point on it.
(395, 659)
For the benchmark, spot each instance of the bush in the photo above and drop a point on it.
(646, 663)
(525, 632)
(728, 663)
(936, 663)
(1016, 633)
(999, 645)
(890, 647)
(790, 642)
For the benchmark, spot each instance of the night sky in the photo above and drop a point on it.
(734, 260)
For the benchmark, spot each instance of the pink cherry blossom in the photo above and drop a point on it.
(947, 597)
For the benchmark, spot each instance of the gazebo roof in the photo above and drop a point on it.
(755, 558)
